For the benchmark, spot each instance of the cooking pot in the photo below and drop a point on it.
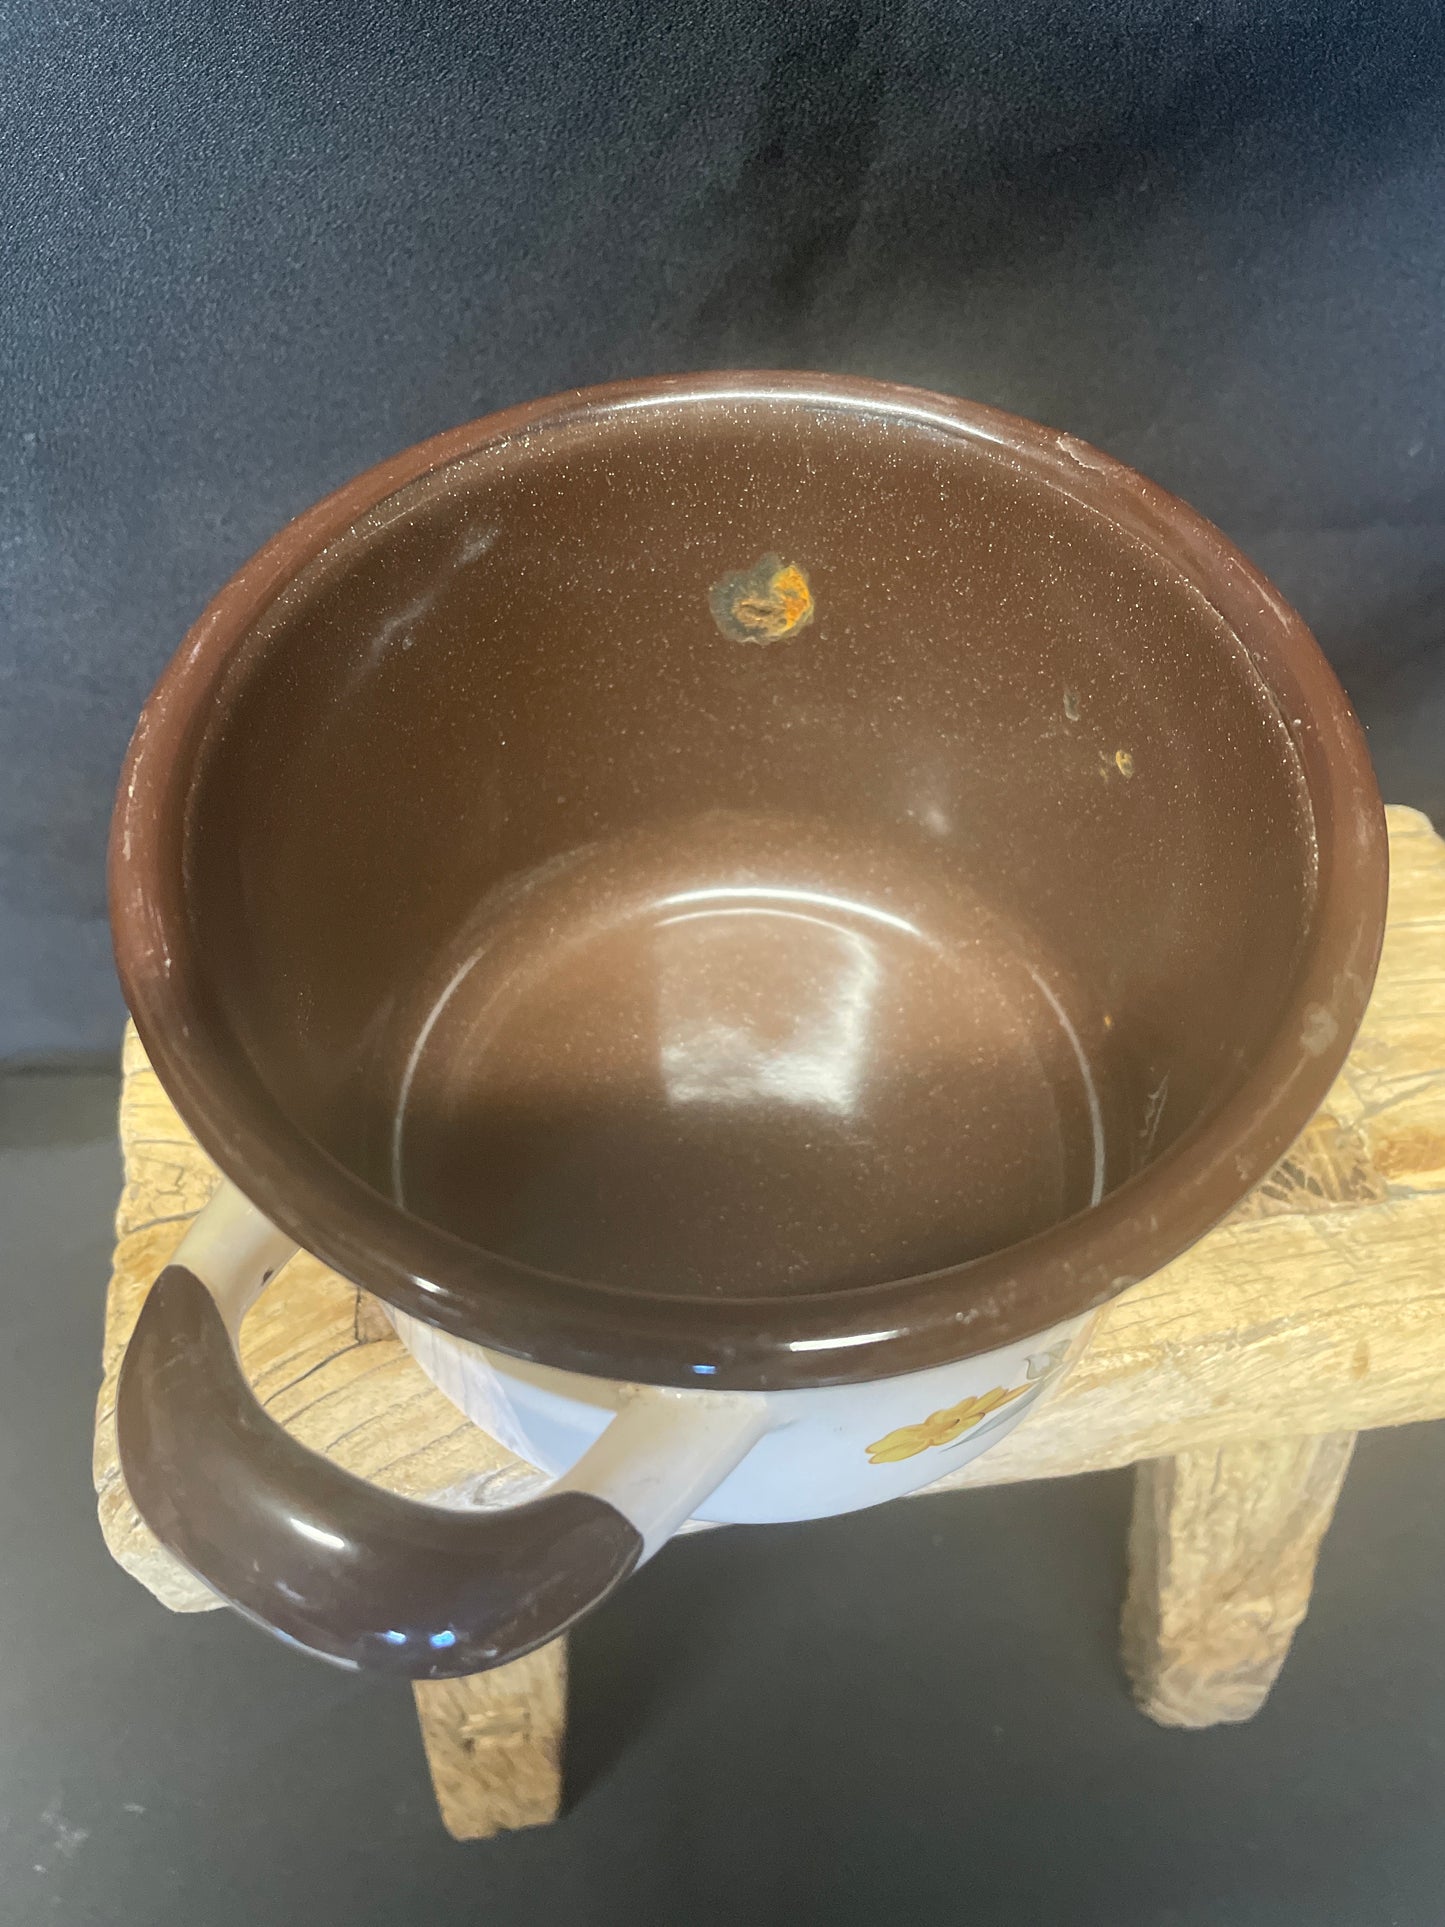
(742, 909)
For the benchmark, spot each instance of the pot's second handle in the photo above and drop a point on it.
(352, 1573)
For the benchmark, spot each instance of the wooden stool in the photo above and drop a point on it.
(1236, 1380)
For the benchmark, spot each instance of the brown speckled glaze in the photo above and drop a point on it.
(655, 1001)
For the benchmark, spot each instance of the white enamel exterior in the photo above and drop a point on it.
(235, 1253)
(664, 1456)
(802, 1454)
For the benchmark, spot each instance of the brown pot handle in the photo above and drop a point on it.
(342, 1568)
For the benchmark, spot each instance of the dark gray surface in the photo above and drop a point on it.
(911, 1715)
(249, 249)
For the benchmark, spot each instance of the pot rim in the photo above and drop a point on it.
(822, 1338)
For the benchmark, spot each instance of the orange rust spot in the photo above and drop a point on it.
(784, 606)
(762, 604)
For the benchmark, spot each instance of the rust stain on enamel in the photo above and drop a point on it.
(766, 603)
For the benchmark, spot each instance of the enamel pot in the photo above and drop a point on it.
(741, 909)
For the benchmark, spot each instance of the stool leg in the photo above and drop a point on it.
(1222, 1554)
(494, 1744)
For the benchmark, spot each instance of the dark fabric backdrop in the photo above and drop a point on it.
(250, 248)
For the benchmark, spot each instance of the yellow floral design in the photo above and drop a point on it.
(941, 1428)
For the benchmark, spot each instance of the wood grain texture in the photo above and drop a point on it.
(1222, 1554)
(1318, 1307)
(494, 1744)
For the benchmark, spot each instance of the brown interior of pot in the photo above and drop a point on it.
(746, 847)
